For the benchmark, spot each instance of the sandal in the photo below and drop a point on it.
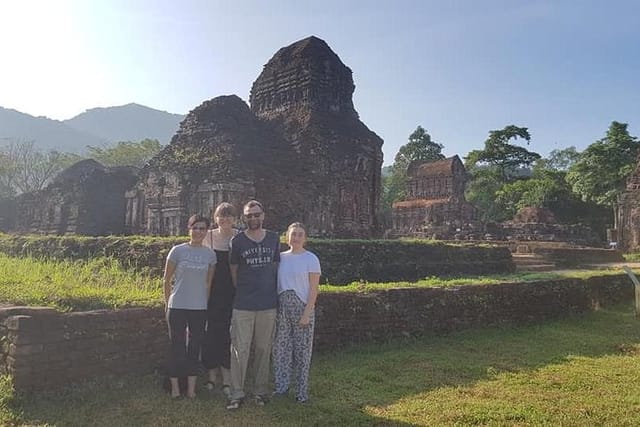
(210, 385)
(233, 404)
(261, 400)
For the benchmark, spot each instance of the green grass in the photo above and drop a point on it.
(104, 283)
(632, 257)
(69, 285)
(447, 281)
(578, 371)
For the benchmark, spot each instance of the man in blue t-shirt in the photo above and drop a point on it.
(253, 259)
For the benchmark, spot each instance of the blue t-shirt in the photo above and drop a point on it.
(257, 285)
(190, 285)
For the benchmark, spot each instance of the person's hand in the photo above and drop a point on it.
(304, 320)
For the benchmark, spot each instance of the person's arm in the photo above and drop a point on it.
(210, 273)
(169, 271)
(233, 269)
(234, 260)
(314, 284)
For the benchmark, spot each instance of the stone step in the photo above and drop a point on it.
(532, 262)
(536, 267)
(529, 259)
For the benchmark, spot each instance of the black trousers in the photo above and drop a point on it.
(184, 357)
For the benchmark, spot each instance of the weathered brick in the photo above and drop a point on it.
(23, 323)
(25, 350)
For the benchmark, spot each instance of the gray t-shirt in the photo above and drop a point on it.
(257, 285)
(190, 285)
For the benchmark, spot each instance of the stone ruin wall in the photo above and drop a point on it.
(305, 92)
(86, 198)
(628, 232)
(436, 209)
(435, 205)
(42, 348)
(300, 149)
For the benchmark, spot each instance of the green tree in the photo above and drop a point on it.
(481, 192)
(545, 186)
(126, 153)
(419, 148)
(500, 154)
(499, 163)
(562, 160)
(601, 172)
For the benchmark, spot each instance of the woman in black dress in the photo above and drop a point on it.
(217, 341)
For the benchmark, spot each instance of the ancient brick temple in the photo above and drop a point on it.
(300, 149)
(86, 198)
(435, 198)
(628, 239)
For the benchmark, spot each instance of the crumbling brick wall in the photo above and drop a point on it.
(42, 347)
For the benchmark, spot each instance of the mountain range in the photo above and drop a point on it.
(95, 127)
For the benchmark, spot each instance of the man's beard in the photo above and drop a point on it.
(254, 225)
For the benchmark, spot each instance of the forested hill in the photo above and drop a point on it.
(95, 127)
(131, 122)
(46, 133)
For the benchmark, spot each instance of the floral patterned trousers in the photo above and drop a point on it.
(293, 346)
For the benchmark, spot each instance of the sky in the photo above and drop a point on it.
(458, 68)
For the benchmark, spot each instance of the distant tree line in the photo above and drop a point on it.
(25, 168)
(577, 187)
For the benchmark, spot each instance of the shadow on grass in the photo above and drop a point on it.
(345, 383)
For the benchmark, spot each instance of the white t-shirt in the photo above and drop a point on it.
(293, 272)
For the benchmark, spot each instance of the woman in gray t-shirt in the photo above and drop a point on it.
(187, 285)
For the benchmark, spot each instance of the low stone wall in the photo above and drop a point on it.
(44, 348)
(343, 261)
(351, 317)
(346, 261)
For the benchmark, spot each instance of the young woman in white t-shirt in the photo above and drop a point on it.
(298, 281)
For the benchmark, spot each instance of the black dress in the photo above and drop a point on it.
(217, 340)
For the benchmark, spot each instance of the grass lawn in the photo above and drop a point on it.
(579, 371)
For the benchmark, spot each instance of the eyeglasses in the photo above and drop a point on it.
(199, 228)
(253, 215)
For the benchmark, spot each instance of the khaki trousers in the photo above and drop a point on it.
(251, 334)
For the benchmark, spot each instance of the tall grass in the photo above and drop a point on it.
(75, 285)
(493, 279)
(105, 283)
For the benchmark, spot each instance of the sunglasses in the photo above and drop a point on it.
(199, 228)
(253, 215)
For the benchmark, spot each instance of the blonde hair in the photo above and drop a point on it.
(224, 209)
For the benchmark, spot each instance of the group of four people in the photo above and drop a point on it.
(227, 293)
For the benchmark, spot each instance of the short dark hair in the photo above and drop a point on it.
(224, 209)
(195, 218)
(252, 204)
